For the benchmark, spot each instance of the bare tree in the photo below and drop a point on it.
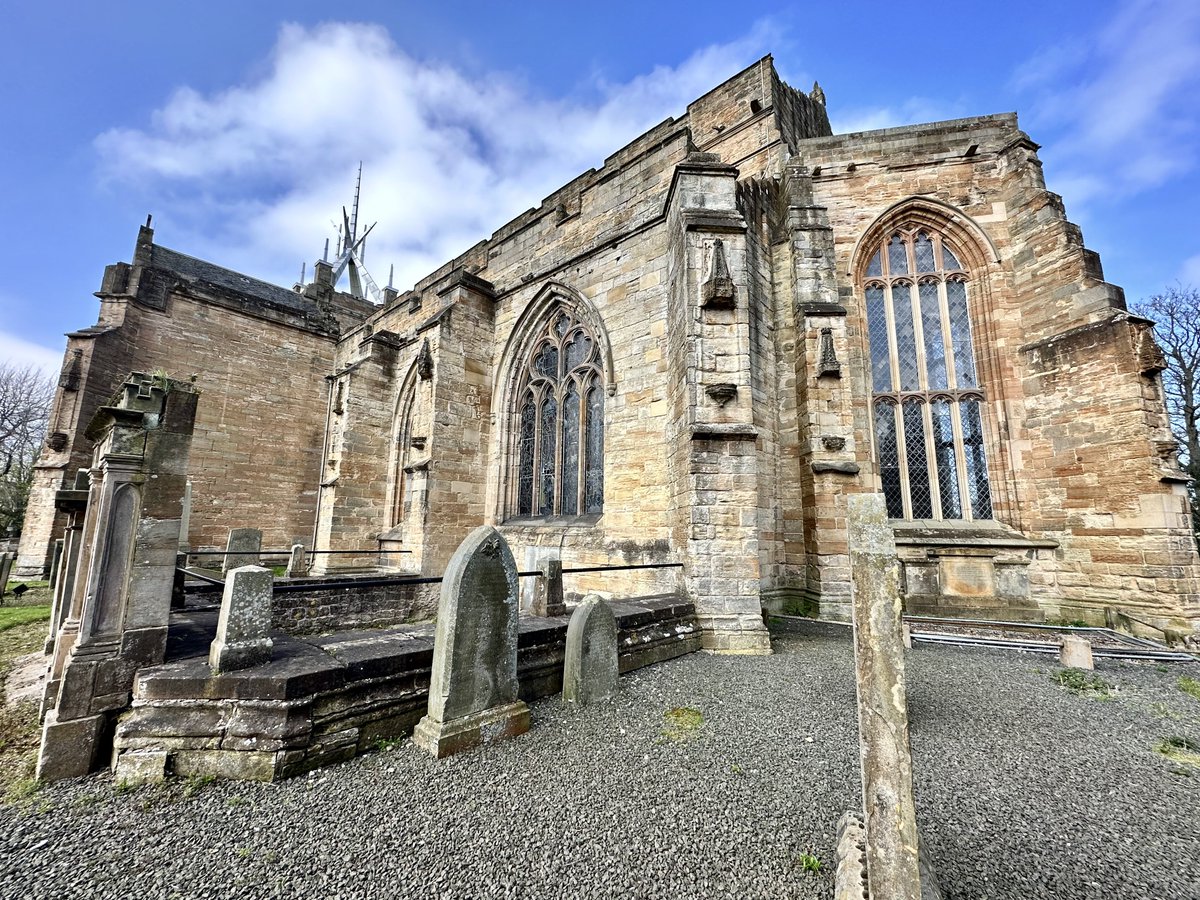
(25, 395)
(1176, 316)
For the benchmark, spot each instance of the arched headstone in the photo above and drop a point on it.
(591, 669)
(473, 686)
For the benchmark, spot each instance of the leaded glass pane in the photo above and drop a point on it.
(906, 338)
(949, 260)
(931, 326)
(960, 335)
(875, 266)
(549, 425)
(579, 348)
(561, 324)
(525, 457)
(593, 463)
(977, 476)
(923, 253)
(889, 458)
(947, 464)
(570, 452)
(918, 468)
(881, 366)
(897, 256)
(546, 361)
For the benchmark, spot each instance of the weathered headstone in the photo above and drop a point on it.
(548, 593)
(297, 566)
(906, 635)
(244, 625)
(473, 685)
(1075, 652)
(591, 668)
(6, 563)
(242, 548)
(893, 867)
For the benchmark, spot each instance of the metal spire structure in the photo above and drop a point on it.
(351, 249)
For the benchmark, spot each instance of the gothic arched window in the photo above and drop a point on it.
(559, 417)
(925, 393)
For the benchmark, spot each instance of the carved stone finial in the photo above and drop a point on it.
(828, 362)
(817, 94)
(425, 361)
(718, 290)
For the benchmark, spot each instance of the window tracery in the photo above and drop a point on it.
(926, 395)
(559, 404)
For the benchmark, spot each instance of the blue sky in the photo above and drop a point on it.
(240, 125)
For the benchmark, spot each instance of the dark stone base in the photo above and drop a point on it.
(442, 739)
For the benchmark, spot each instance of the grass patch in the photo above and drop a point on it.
(809, 863)
(1085, 684)
(1180, 750)
(681, 723)
(19, 731)
(16, 616)
(1190, 686)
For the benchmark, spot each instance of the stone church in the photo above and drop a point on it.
(694, 353)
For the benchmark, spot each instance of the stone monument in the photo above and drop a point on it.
(245, 621)
(592, 667)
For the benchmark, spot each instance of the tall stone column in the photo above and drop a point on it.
(121, 605)
(73, 502)
(714, 442)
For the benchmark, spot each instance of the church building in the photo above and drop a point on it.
(694, 354)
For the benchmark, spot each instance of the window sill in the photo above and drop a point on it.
(555, 522)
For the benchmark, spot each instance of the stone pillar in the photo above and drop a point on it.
(1075, 652)
(891, 823)
(55, 562)
(297, 564)
(548, 590)
(244, 625)
(713, 438)
(242, 548)
(122, 598)
(74, 503)
(6, 564)
(186, 519)
(473, 685)
(591, 668)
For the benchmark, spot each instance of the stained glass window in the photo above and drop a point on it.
(559, 424)
(927, 397)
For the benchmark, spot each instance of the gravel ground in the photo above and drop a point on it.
(1025, 790)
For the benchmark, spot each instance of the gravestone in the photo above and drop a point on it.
(892, 854)
(1075, 652)
(242, 548)
(473, 684)
(548, 593)
(245, 620)
(591, 668)
(297, 567)
(6, 563)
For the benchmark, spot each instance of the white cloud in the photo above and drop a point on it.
(20, 352)
(1189, 272)
(913, 111)
(1121, 102)
(252, 175)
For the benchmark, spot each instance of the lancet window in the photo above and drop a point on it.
(926, 394)
(559, 420)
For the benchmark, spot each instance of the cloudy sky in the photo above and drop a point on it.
(240, 125)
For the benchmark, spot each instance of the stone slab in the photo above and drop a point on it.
(592, 666)
(442, 739)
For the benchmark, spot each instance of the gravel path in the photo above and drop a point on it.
(1024, 789)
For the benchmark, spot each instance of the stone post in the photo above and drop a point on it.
(473, 685)
(56, 562)
(591, 668)
(6, 562)
(1075, 652)
(245, 621)
(297, 564)
(73, 502)
(186, 519)
(891, 823)
(242, 548)
(548, 590)
(122, 598)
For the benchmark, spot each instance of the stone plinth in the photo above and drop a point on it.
(473, 684)
(245, 622)
(548, 593)
(591, 668)
(1075, 652)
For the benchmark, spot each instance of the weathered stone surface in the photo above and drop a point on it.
(297, 564)
(136, 767)
(591, 668)
(6, 564)
(473, 683)
(243, 629)
(242, 548)
(891, 824)
(1075, 652)
(548, 592)
(850, 876)
(68, 748)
